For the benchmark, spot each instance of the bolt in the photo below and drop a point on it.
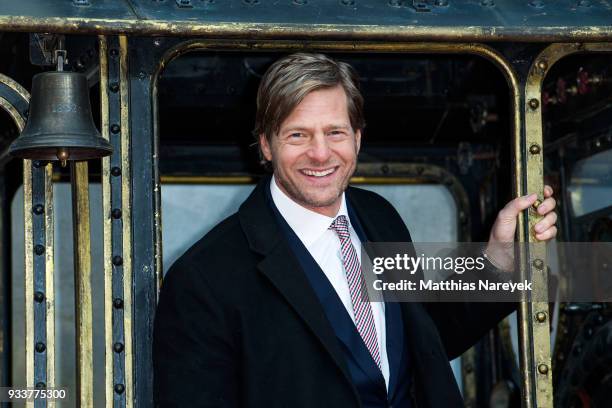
(536, 204)
(118, 303)
(117, 260)
(542, 369)
(114, 52)
(115, 128)
(118, 347)
(541, 317)
(38, 209)
(542, 65)
(39, 249)
(116, 171)
(41, 385)
(40, 347)
(114, 87)
(534, 103)
(534, 149)
(487, 3)
(538, 264)
(157, 42)
(39, 297)
(119, 388)
(116, 213)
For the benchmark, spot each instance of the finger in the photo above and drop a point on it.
(514, 207)
(547, 206)
(547, 222)
(548, 191)
(548, 234)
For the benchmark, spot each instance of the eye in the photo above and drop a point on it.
(295, 135)
(336, 133)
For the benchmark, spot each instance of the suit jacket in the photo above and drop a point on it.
(238, 323)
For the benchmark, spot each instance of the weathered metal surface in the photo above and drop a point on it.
(503, 20)
(82, 283)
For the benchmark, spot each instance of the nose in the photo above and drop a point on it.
(319, 148)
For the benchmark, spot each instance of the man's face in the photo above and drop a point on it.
(315, 151)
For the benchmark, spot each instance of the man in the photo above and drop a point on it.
(263, 311)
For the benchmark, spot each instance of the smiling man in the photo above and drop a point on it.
(267, 310)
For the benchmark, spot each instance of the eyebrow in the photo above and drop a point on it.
(304, 128)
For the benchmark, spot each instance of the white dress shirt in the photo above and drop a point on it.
(324, 246)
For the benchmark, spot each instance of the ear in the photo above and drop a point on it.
(358, 140)
(265, 147)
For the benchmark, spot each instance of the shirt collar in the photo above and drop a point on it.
(308, 225)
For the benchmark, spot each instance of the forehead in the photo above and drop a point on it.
(320, 107)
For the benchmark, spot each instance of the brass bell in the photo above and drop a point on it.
(60, 125)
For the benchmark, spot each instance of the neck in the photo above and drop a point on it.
(330, 210)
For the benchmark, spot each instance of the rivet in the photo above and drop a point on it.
(115, 128)
(114, 52)
(542, 65)
(348, 2)
(116, 171)
(37, 163)
(118, 347)
(117, 260)
(119, 388)
(487, 3)
(39, 249)
(536, 204)
(534, 149)
(538, 264)
(534, 103)
(41, 385)
(38, 209)
(114, 87)
(157, 42)
(40, 347)
(118, 303)
(39, 297)
(542, 368)
(540, 317)
(116, 213)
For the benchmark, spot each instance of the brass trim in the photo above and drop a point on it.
(539, 349)
(260, 31)
(28, 276)
(50, 278)
(82, 283)
(126, 205)
(14, 85)
(107, 228)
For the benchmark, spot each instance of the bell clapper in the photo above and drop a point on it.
(63, 155)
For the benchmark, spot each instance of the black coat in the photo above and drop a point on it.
(239, 325)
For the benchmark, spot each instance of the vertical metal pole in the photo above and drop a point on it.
(49, 278)
(107, 227)
(28, 275)
(126, 203)
(82, 283)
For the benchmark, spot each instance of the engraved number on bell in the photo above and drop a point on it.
(65, 108)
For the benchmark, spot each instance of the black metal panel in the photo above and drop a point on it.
(114, 105)
(141, 67)
(494, 16)
(111, 9)
(40, 316)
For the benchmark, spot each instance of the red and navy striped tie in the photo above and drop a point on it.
(362, 309)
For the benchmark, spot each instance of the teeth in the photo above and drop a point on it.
(318, 173)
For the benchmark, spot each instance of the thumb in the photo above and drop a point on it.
(514, 207)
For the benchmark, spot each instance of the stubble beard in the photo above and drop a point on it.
(305, 199)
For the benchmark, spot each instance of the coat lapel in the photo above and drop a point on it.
(282, 269)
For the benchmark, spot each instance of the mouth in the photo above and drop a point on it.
(319, 173)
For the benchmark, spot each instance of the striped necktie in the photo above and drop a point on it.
(362, 309)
